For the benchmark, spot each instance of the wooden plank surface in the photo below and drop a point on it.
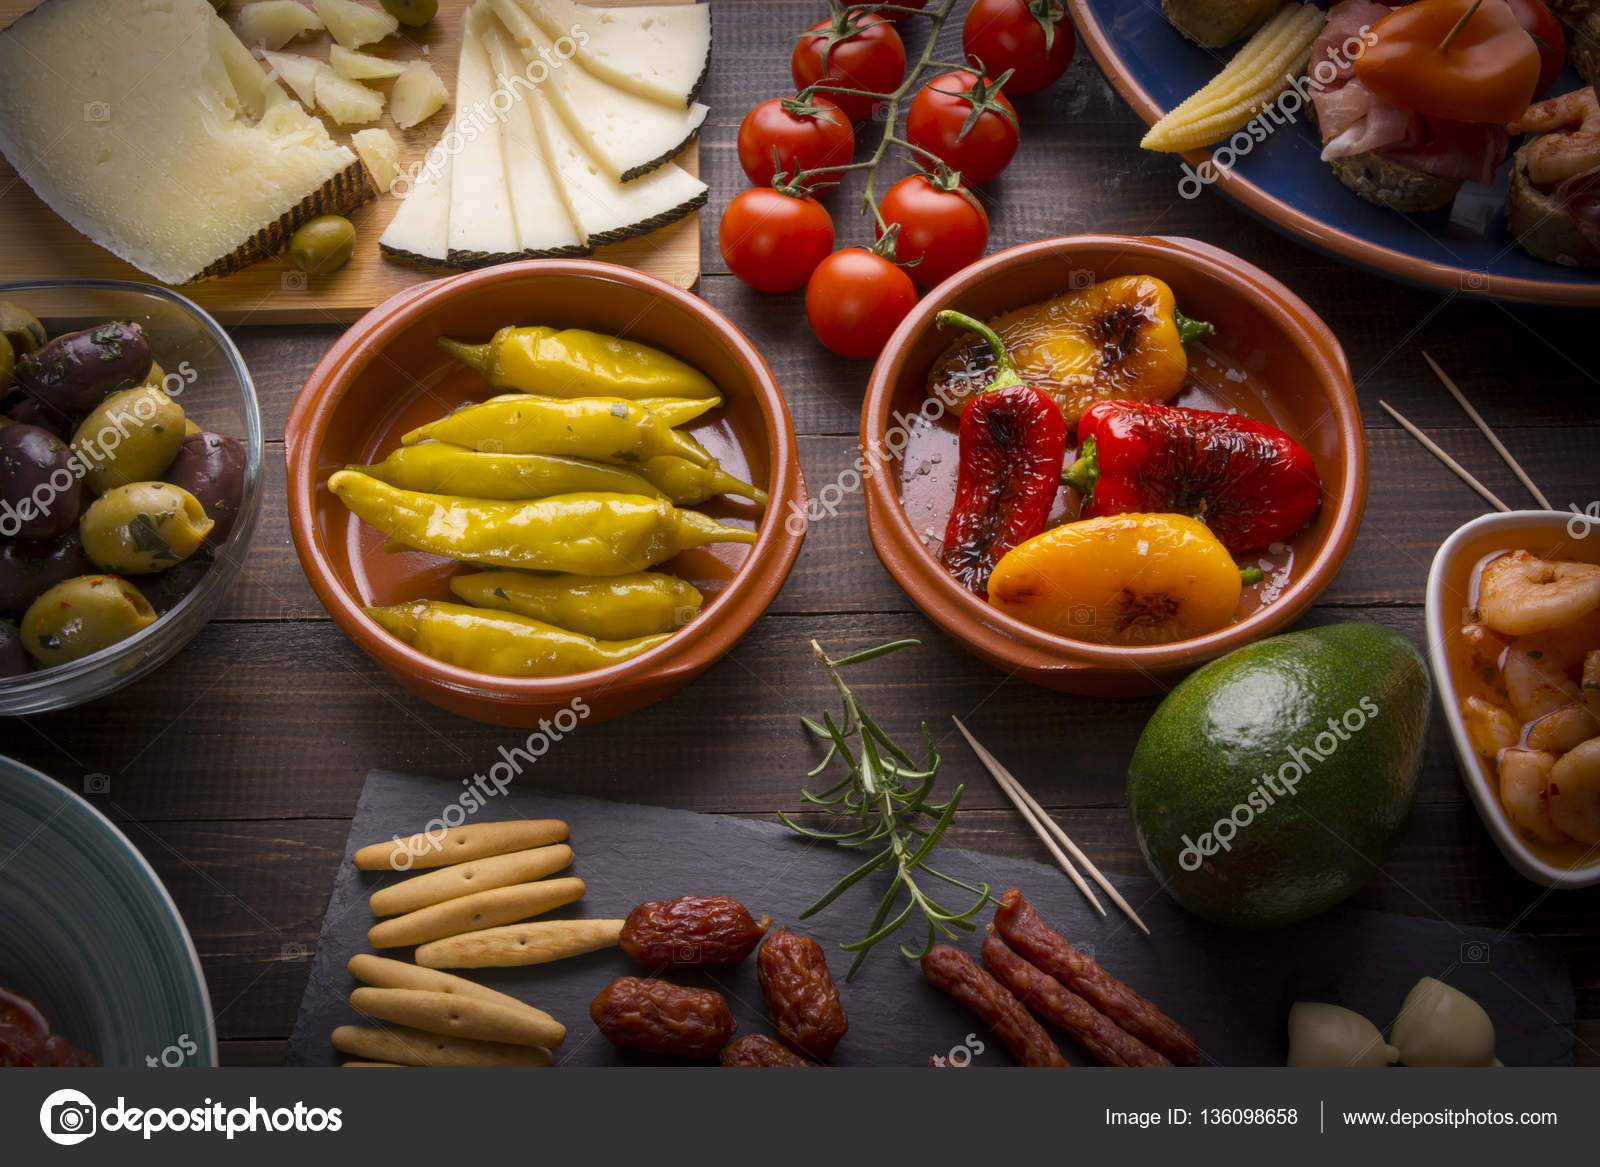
(35, 243)
(236, 767)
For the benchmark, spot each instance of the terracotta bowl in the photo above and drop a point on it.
(1269, 346)
(386, 375)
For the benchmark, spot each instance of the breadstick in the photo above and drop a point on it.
(384, 973)
(458, 844)
(469, 913)
(458, 1016)
(412, 1047)
(516, 944)
(434, 887)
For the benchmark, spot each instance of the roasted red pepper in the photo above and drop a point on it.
(1251, 483)
(1013, 444)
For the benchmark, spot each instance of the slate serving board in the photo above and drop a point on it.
(1233, 989)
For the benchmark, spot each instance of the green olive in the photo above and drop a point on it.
(323, 245)
(83, 615)
(416, 13)
(21, 328)
(132, 436)
(143, 527)
(158, 375)
(8, 362)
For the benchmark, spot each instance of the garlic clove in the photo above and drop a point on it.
(1442, 1026)
(1330, 1035)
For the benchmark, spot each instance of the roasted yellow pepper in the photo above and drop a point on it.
(575, 363)
(1122, 339)
(607, 428)
(442, 468)
(1120, 579)
(621, 607)
(587, 534)
(502, 644)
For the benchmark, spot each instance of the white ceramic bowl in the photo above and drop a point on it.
(1544, 532)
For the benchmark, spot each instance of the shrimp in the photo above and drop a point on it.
(1520, 593)
(1569, 144)
(1537, 684)
(1490, 727)
(1558, 732)
(1574, 801)
(1524, 779)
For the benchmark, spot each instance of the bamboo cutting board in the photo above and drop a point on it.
(36, 244)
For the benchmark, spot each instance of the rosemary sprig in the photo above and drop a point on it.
(882, 801)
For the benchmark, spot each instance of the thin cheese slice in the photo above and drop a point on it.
(544, 226)
(483, 229)
(627, 134)
(659, 51)
(420, 229)
(135, 122)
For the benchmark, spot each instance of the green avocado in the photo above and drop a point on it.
(1267, 785)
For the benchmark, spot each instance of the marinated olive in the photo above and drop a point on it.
(32, 412)
(81, 616)
(143, 527)
(28, 570)
(190, 429)
(14, 659)
(38, 490)
(323, 245)
(416, 13)
(165, 590)
(75, 372)
(8, 363)
(21, 328)
(211, 467)
(132, 436)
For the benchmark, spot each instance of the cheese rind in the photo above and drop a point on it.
(627, 134)
(128, 123)
(659, 51)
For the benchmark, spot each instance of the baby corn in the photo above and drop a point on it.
(1258, 73)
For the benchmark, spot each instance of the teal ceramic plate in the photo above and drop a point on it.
(90, 935)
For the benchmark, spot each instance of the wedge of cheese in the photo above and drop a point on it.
(483, 229)
(659, 51)
(627, 134)
(146, 125)
(420, 230)
(544, 226)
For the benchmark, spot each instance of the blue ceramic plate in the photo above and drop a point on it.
(1284, 181)
(90, 935)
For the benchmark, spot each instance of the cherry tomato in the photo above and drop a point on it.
(802, 136)
(773, 241)
(939, 115)
(1032, 37)
(941, 225)
(855, 299)
(863, 51)
(1548, 36)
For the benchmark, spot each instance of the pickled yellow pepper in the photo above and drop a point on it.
(621, 607)
(575, 363)
(502, 644)
(675, 411)
(587, 534)
(607, 428)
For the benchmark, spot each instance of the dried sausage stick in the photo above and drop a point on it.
(959, 975)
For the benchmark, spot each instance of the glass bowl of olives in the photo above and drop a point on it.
(130, 480)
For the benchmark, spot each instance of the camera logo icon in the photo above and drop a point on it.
(67, 1117)
(1080, 279)
(1474, 281)
(1475, 952)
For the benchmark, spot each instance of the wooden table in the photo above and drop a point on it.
(235, 769)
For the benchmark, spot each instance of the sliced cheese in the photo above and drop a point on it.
(483, 228)
(420, 229)
(363, 66)
(353, 24)
(380, 153)
(138, 132)
(544, 227)
(659, 51)
(417, 95)
(347, 102)
(298, 73)
(627, 134)
(604, 209)
(274, 23)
